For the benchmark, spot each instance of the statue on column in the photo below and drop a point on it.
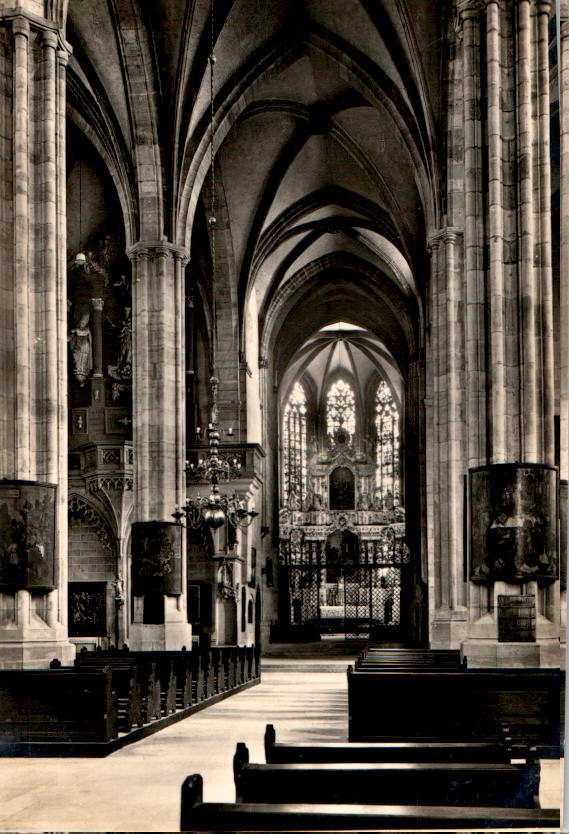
(81, 345)
(123, 369)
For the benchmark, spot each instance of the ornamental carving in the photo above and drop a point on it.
(118, 483)
(111, 456)
(83, 511)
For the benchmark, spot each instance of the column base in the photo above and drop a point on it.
(163, 637)
(448, 629)
(491, 654)
(35, 654)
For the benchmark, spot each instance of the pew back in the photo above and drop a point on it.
(397, 751)
(199, 816)
(494, 784)
(43, 705)
(474, 704)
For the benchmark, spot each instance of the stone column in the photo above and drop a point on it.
(497, 335)
(97, 304)
(525, 134)
(564, 267)
(448, 453)
(159, 419)
(473, 272)
(33, 338)
(544, 256)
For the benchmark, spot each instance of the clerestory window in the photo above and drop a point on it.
(340, 408)
(388, 486)
(294, 450)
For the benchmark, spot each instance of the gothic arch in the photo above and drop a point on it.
(80, 508)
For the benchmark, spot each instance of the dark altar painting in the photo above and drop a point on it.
(514, 522)
(342, 551)
(27, 535)
(156, 558)
(87, 609)
(342, 489)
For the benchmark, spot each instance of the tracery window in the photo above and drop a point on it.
(387, 447)
(294, 451)
(340, 408)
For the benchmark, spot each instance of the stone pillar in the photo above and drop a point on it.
(448, 590)
(33, 338)
(544, 254)
(525, 134)
(97, 304)
(159, 421)
(473, 219)
(497, 335)
(564, 267)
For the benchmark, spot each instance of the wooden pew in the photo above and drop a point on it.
(127, 670)
(427, 783)
(474, 704)
(415, 660)
(397, 751)
(56, 705)
(267, 817)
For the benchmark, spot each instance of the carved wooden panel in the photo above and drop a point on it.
(27, 535)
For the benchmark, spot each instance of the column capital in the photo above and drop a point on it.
(543, 7)
(449, 234)
(49, 39)
(156, 249)
(469, 9)
(21, 26)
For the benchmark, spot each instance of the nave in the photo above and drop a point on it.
(138, 788)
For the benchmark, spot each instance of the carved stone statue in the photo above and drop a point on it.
(81, 345)
(123, 368)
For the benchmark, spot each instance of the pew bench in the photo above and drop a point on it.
(396, 751)
(288, 816)
(47, 706)
(428, 783)
(474, 704)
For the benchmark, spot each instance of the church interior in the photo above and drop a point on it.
(284, 435)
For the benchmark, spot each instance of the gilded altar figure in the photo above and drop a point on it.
(80, 342)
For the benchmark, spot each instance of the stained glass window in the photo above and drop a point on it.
(340, 408)
(387, 477)
(294, 452)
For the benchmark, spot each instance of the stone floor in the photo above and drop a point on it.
(138, 788)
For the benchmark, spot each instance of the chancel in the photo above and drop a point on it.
(284, 357)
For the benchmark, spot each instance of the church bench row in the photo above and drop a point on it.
(287, 816)
(426, 783)
(83, 709)
(176, 680)
(41, 706)
(395, 751)
(475, 704)
(413, 658)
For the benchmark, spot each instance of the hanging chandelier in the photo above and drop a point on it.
(215, 508)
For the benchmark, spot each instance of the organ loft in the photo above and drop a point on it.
(284, 328)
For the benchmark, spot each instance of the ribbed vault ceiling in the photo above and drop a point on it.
(325, 126)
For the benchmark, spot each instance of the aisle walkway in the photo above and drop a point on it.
(138, 788)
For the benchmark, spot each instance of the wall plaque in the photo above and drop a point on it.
(516, 618)
(156, 558)
(87, 609)
(513, 508)
(27, 535)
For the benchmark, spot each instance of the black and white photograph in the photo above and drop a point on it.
(284, 429)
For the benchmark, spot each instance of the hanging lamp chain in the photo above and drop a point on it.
(212, 217)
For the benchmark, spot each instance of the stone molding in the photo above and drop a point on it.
(158, 248)
(23, 22)
(81, 509)
(449, 234)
